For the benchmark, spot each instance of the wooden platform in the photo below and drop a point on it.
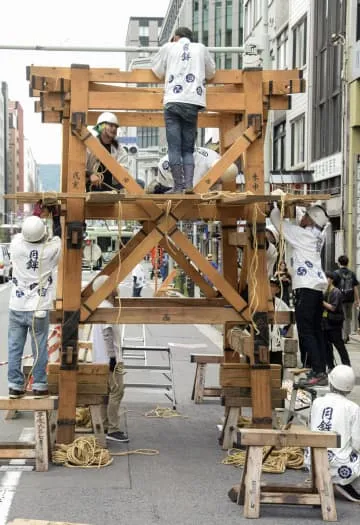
(253, 493)
(40, 450)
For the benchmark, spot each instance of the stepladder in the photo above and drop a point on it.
(127, 341)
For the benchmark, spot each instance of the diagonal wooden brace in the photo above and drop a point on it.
(239, 147)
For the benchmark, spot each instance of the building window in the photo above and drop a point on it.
(279, 146)
(196, 19)
(147, 137)
(143, 22)
(228, 24)
(205, 23)
(144, 41)
(282, 50)
(358, 21)
(144, 31)
(299, 44)
(218, 23)
(298, 141)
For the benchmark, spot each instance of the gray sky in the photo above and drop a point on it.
(70, 22)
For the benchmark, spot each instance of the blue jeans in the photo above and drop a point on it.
(181, 129)
(20, 323)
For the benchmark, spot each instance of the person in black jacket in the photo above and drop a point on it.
(333, 318)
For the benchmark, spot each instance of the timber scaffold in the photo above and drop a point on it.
(238, 102)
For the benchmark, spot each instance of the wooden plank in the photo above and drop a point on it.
(28, 403)
(236, 378)
(324, 483)
(252, 483)
(232, 154)
(288, 438)
(289, 498)
(152, 101)
(83, 369)
(284, 87)
(83, 388)
(238, 238)
(153, 119)
(206, 358)
(11, 453)
(243, 401)
(41, 441)
(160, 315)
(226, 290)
(82, 379)
(72, 259)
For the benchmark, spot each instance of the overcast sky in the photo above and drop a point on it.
(69, 22)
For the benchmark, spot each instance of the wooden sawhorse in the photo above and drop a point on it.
(199, 389)
(321, 492)
(40, 450)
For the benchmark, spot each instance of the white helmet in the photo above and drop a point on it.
(230, 172)
(318, 215)
(33, 229)
(271, 228)
(342, 378)
(99, 281)
(107, 117)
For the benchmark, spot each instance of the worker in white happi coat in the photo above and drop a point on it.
(335, 413)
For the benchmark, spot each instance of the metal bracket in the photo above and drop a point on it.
(66, 422)
(75, 233)
(255, 120)
(69, 348)
(262, 420)
(78, 120)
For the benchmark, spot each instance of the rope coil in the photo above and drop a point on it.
(276, 463)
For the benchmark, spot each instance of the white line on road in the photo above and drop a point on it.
(11, 480)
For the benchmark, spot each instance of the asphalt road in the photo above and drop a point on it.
(185, 484)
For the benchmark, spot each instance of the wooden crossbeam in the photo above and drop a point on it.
(240, 145)
(145, 76)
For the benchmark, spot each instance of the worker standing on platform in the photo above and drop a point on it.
(107, 349)
(204, 159)
(335, 413)
(309, 282)
(34, 259)
(186, 66)
(98, 177)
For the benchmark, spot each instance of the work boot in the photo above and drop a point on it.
(189, 177)
(177, 173)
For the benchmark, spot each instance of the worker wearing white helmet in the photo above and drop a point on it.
(34, 259)
(308, 281)
(335, 413)
(98, 177)
(106, 339)
(204, 159)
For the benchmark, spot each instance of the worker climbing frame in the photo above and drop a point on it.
(238, 102)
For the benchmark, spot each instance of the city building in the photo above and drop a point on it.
(48, 177)
(3, 147)
(142, 31)
(30, 173)
(15, 175)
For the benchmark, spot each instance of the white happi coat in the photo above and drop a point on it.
(33, 273)
(185, 66)
(335, 413)
(305, 261)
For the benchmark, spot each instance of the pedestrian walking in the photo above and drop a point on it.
(333, 318)
(186, 66)
(348, 285)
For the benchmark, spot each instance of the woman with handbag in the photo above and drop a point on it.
(333, 318)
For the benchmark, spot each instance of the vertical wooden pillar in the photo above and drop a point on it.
(229, 253)
(254, 182)
(74, 178)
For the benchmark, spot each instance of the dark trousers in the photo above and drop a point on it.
(334, 337)
(181, 129)
(137, 292)
(308, 315)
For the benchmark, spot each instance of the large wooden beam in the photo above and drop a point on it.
(72, 262)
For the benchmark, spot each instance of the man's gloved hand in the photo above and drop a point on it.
(112, 364)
